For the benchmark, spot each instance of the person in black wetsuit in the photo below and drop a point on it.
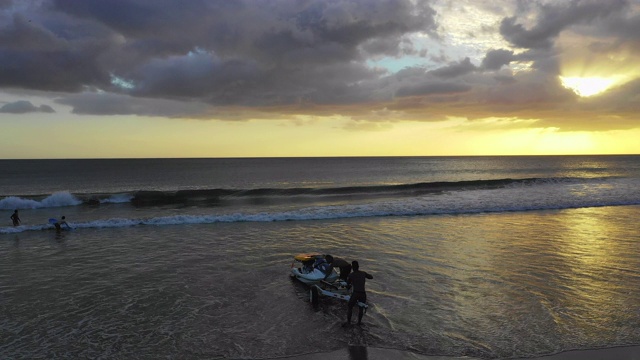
(58, 224)
(357, 279)
(15, 218)
(343, 265)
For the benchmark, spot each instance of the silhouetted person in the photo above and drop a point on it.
(343, 265)
(15, 218)
(58, 224)
(357, 279)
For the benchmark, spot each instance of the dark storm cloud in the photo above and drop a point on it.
(454, 70)
(431, 88)
(496, 59)
(116, 104)
(217, 51)
(50, 53)
(23, 107)
(446, 80)
(193, 58)
(553, 18)
(20, 33)
(627, 28)
(391, 47)
(197, 75)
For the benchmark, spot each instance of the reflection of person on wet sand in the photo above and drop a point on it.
(15, 218)
(358, 352)
(58, 224)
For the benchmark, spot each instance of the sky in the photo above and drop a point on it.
(272, 78)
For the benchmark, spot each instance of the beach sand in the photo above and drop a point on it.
(369, 353)
(615, 353)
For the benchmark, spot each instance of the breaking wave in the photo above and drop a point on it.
(216, 196)
(58, 199)
(478, 200)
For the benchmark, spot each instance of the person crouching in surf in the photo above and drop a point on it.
(58, 224)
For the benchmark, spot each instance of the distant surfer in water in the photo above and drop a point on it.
(15, 218)
(58, 224)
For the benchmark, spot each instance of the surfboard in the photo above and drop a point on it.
(53, 221)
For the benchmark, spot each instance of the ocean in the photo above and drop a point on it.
(471, 257)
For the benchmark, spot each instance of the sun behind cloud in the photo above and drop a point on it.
(594, 69)
(587, 86)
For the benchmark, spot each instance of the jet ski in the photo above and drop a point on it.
(310, 269)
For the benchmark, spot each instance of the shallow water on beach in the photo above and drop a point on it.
(483, 257)
(497, 285)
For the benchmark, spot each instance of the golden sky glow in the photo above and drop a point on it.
(421, 79)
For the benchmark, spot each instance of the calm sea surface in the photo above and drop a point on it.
(482, 257)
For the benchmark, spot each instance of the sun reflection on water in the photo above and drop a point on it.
(592, 248)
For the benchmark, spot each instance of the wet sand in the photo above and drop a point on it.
(615, 353)
(369, 353)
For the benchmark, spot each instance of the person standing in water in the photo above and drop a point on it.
(357, 279)
(15, 218)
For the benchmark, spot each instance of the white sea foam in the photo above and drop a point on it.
(540, 197)
(63, 198)
(13, 202)
(58, 199)
(117, 199)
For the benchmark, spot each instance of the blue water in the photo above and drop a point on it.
(487, 257)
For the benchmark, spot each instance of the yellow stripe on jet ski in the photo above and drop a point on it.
(307, 257)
